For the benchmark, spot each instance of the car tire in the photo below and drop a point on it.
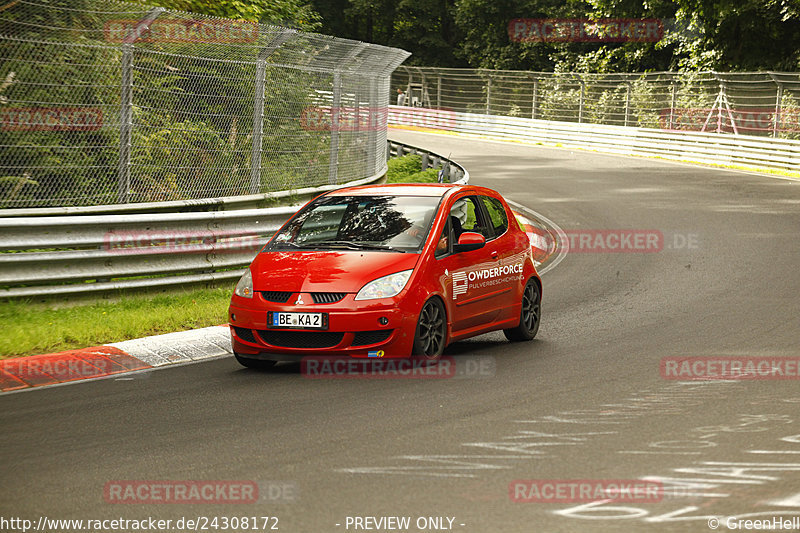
(431, 332)
(529, 316)
(255, 364)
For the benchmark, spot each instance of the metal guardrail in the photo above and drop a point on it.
(77, 253)
(679, 145)
(764, 104)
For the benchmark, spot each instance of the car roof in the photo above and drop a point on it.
(400, 189)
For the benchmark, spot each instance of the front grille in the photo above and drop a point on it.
(301, 339)
(363, 338)
(327, 297)
(278, 297)
(245, 334)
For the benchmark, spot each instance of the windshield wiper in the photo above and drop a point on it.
(352, 245)
(287, 243)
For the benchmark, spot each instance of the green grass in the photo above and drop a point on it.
(406, 169)
(29, 328)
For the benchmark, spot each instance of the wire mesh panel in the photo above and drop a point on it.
(754, 103)
(114, 102)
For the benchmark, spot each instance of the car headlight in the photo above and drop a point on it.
(384, 287)
(245, 286)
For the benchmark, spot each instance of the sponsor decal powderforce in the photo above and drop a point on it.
(463, 280)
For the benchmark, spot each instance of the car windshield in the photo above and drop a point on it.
(389, 223)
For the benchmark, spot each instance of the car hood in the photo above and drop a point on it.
(325, 271)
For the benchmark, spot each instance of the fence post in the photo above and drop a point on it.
(776, 120)
(778, 110)
(580, 102)
(333, 165)
(489, 96)
(534, 101)
(424, 90)
(258, 106)
(126, 104)
(377, 115)
(673, 102)
(439, 92)
(628, 104)
(258, 127)
(125, 125)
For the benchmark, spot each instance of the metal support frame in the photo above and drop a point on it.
(377, 116)
(333, 164)
(126, 104)
(333, 161)
(627, 103)
(673, 102)
(778, 110)
(258, 106)
(489, 96)
(776, 118)
(720, 102)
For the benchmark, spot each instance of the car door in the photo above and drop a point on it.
(510, 258)
(471, 292)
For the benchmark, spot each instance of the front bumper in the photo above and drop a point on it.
(355, 329)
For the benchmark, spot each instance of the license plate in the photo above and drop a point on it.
(298, 320)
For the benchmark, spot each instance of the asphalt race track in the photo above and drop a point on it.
(585, 401)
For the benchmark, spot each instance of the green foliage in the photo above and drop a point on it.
(699, 34)
(426, 27)
(789, 123)
(558, 101)
(294, 13)
(406, 169)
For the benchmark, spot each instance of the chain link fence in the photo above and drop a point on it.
(755, 103)
(112, 102)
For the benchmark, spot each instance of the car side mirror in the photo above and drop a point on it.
(468, 241)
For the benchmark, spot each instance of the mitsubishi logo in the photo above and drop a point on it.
(299, 300)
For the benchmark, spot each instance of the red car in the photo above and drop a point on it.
(387, 271)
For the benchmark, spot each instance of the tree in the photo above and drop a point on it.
(719, 34)
(698, 34)
(295, 13)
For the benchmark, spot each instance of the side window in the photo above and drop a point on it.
(466, 215)
(443, 245)
(497, 214)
